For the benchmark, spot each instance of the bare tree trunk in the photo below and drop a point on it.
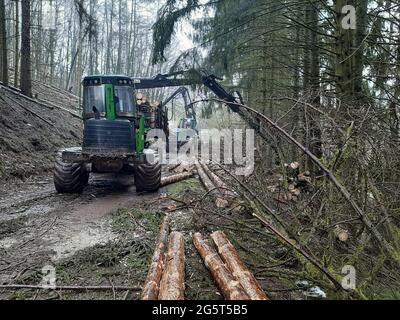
(3, 44)
(120, 39)
(16, 44)
(53, 39)
(26, 79)
(38, 44)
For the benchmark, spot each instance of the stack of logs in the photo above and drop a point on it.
(297, 183)
(166, 277)
(142, 100)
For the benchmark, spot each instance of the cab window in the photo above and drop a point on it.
(125, 102)
(94, 96)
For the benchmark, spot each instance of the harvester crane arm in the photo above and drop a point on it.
(186, 78)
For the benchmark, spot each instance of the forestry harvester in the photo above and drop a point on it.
(115, 130)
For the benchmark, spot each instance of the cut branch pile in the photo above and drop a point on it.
(231, 275)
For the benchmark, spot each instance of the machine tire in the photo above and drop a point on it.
(69, 177)
(148, 177)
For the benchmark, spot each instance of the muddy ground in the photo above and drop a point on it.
(103, 237)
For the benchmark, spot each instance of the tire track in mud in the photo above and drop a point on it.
(42, 222)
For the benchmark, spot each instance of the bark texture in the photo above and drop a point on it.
(151, 287)
(173, 280)
(239, 270)
(230, 288)
(175, 178)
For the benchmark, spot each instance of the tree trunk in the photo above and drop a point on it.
(172, 285)
(3, 44)
(230, 288)
(16, 46)
(314, 123)
(239, 270)
(120, 39)
(26, 80)
(53, 39)
(152, 284)
(175, 178)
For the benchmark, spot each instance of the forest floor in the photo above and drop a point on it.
(104, 237)
(32, 130)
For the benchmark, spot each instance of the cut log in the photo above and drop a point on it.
(222, 186)
(205, 179)
(183, 168)
(175, 178)
(230, 288)
(341, 234)
(152, 285)
(172, 285)
(239, 270)
(139, 96)
(220, 201)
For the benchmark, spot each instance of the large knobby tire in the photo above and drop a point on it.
(69, 177)
(148, 177)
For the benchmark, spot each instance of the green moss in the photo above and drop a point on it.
(180, 188)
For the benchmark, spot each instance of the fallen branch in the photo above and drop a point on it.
(172, 285)
(68, 288)
(152, 284)
(383, 243)
(280, 232)
(239, 270)
(230, 288)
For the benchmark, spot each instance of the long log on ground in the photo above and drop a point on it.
(222, 186)
(205, 179)
(239, 270)
(172, 285)
(151, 287)
(230, 288)
(28, 110)
(175, 178)
(211, 188)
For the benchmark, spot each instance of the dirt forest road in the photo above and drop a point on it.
(103, 237)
